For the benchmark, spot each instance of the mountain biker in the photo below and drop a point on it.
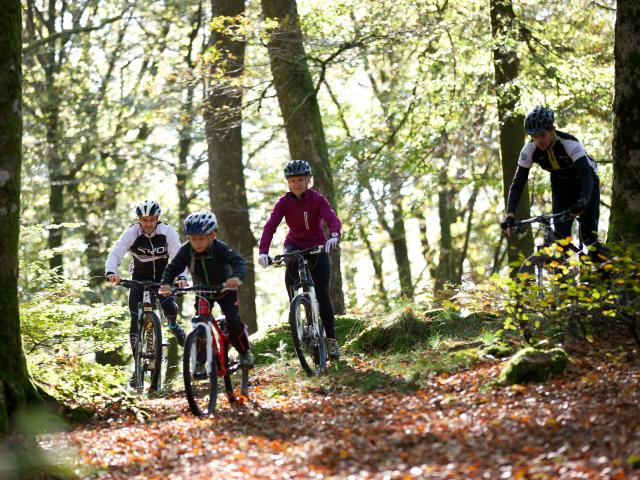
(574, 181)
(212, 262)
(151, 243)
(305, 210)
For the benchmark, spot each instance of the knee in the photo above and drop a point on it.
(169, 306)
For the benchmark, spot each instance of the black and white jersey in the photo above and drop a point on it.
(559, 158)
(150, 253)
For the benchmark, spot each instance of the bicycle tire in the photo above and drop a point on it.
(148, 362)
(308, 337)
(201, 389)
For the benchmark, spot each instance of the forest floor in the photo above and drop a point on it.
(362, 421)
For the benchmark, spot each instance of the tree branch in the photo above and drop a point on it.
(67, 33)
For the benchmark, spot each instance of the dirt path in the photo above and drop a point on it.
(586, 425)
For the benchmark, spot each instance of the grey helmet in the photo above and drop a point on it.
(538, 120)
(296, 168)
(148, 208)
(200, 223)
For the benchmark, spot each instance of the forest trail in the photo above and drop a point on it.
(359, 423)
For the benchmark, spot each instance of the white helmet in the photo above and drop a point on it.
(148, 208)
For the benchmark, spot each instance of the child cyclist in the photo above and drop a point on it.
(212, 262)
(305, 210)
(151, 243)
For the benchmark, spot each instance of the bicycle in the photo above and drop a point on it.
(304, 317)
(147, 354)
(206, 355)
(561, 281)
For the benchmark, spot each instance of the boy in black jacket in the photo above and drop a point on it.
(212, 262)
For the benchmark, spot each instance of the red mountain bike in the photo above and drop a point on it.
(206, 355)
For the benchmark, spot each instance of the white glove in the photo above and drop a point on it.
(331, 244)
(263, 260)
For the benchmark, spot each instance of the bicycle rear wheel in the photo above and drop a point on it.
(148, 361)
(308, 336)
(200, 378)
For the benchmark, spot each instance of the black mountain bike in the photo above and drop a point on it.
(304, 317)
(206, 355)
(147, 355)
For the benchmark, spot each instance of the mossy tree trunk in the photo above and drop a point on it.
(507, 65)
(15, 386)
(300, 110)
(625, 202)
(223, 116)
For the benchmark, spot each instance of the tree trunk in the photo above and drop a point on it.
(399, 239)
(446, 269)
(15, 387)
(300, 110)
(376, 261)
(224, 138)
(507, 64)
(625, 204)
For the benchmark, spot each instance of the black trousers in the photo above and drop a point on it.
(566, 192)
(168, 304)
(320, 267)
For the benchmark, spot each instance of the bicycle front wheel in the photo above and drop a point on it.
(308, 336)
(149, 353)
(200, 376)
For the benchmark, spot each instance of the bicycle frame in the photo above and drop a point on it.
(547, 222)
(147, 305)
(308, 333)
(306, 284)
(217, 341)
(305, 281)
(211, 331)
(151, 351)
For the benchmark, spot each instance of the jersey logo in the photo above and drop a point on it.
(160, 250)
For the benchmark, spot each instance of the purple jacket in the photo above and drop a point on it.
(304, 217)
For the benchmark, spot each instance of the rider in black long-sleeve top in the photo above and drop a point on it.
(212, 262)
(574, 180)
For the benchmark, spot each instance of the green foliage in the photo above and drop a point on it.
(531, 365)
(53, 320)
(577, 298)
(60, 334)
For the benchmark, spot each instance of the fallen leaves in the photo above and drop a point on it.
(583, 426)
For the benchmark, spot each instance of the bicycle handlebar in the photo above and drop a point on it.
(520, 225)
(130, 283)
(203, 289)
(278, 259)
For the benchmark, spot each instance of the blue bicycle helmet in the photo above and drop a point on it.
(538, 120)
(200, 223)
(296, 168)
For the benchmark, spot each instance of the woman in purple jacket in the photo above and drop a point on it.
(305, 210)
